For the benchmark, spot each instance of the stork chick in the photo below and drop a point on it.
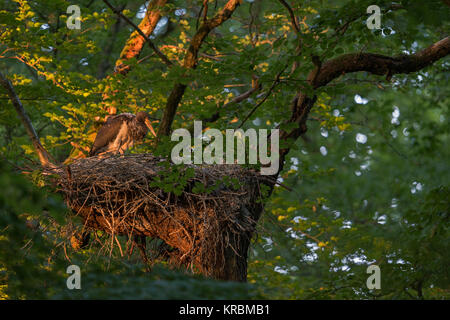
(121, 132)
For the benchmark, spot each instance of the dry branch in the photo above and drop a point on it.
(41, 152)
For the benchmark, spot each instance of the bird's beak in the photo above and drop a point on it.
(149, 125)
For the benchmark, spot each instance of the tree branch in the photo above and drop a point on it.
(135, 43)
(274, 84)
(294, 20)
(190, 62)
(296, 27)
(380, 64)
(41, 152)
(137, 39)
(256, 86)
(354, 62)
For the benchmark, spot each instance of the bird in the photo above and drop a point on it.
(121, 132)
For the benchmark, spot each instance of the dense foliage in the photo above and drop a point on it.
(367, 184)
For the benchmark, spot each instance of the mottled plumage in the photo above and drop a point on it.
(121, 132)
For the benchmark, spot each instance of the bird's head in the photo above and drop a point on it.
(142, 117)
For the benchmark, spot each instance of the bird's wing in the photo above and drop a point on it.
(107, 133)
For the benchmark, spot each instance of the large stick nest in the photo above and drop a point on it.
(117, 195)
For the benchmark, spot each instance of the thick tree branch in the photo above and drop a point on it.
(136, 42)
(41, 152)
(294, 20)
(190, 62)
(380, 64)
(190, 59)
(354, 62)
